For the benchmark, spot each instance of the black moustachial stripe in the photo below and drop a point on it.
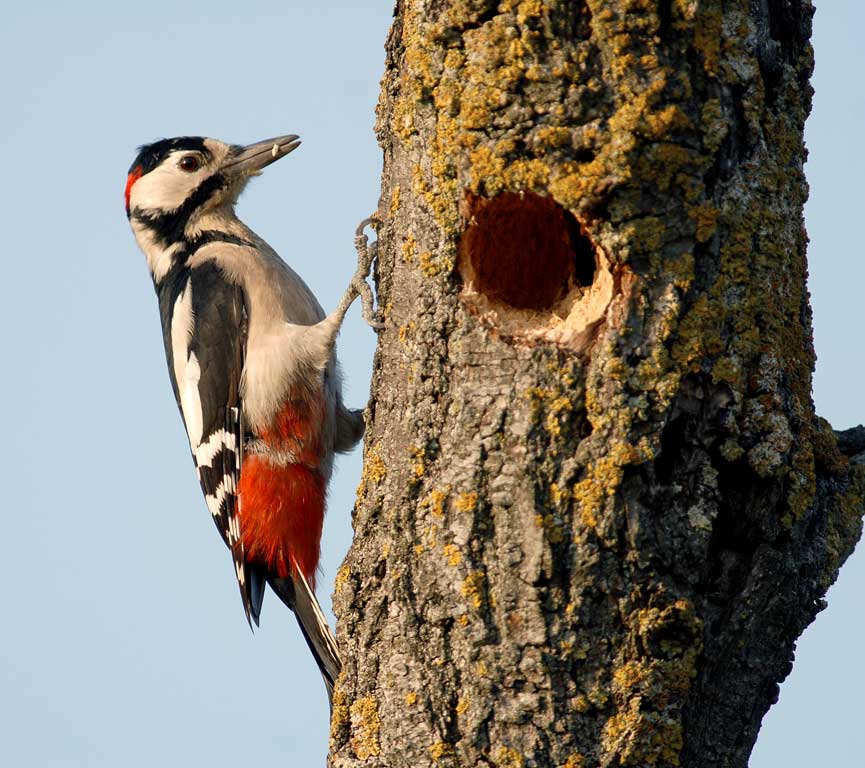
(168, 228)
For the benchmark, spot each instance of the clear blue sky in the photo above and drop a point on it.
(124, 642)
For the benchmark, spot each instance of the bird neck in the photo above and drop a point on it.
(222, 220)
(166, 248)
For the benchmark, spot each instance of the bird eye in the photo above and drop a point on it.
(189, 163)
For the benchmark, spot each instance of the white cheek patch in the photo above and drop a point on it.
(165, 188)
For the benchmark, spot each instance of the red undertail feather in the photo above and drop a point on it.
(282, 505)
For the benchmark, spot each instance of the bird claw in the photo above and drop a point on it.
(370, 221)
(366, 254)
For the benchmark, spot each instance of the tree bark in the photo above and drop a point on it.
(597, 507)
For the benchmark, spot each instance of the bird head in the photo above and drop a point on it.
(190, 173)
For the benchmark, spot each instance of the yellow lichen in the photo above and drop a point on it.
(430, 534)
(554, 136)
(340, 581)
(629, 675)
(365, 727)
(556, 404)
(466, 502)
(339, 716)
(641, 738)
(405, 331)
(452, 554)
(374, 471)
(602, 481)
(598, 696)
(411, 699)
(418, 467)
(553, 526)
(506, 757)
(441, 750)
(472, 588)
(715, 127)
(708, 35)
(558, 495)
(407, 249)
(435, 501)
(705, 216)
(665, 122)
(433, 265)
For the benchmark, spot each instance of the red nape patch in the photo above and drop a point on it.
(134, 175)
(281, 514)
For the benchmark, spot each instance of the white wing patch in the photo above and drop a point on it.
(190, 401)
(219, 456)
(186, 369)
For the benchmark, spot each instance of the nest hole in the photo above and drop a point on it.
(524, 250)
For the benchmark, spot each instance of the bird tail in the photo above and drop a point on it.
(296, 593)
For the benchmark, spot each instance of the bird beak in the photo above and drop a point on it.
(251, 159)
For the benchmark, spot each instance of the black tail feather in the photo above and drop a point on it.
(298, 595)
(255, 592)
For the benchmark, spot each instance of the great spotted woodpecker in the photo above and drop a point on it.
(252, 363)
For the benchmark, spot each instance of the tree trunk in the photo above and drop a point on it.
(597, 508)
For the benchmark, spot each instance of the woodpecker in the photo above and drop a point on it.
(252, 363)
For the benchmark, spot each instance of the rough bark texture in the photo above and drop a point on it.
(597, 507)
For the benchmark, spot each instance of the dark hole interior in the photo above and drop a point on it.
(525, 250)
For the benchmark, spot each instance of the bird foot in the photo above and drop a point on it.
(366, 253)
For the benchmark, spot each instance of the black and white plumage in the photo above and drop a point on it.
(251, 360)
(206, 320)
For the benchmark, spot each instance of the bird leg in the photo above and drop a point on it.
(322, 336)
(358, 285)
(365, 255)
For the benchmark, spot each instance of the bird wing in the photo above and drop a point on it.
(206, 346)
